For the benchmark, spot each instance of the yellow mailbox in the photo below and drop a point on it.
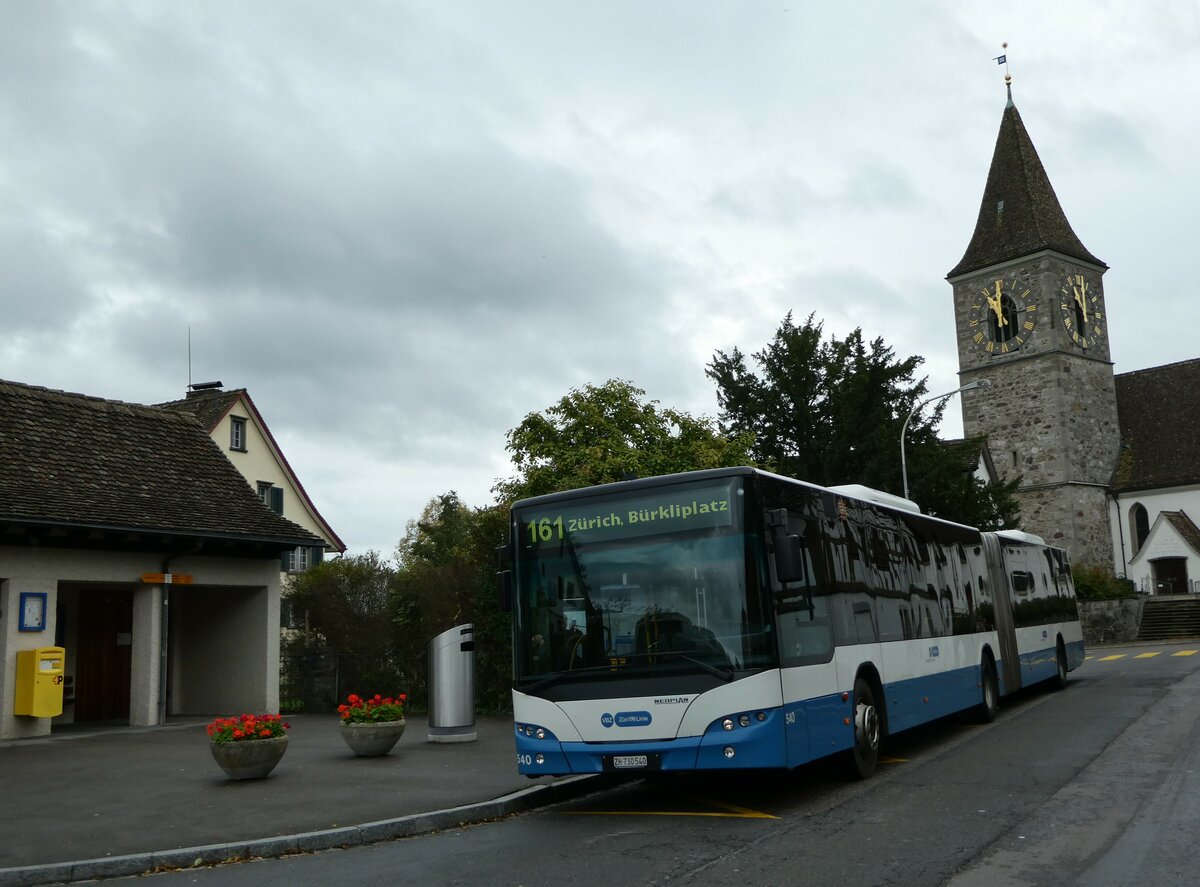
(40, 682)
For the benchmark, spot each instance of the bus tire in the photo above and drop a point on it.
(989, 707)
(1059, 681)
(864, 754)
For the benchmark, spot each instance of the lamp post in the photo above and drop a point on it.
(970, 386)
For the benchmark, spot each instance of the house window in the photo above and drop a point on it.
(237, 434)
(300, 559)
(271, 495)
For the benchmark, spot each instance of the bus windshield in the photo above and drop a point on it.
(655, 580)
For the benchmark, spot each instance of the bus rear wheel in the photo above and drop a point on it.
(864, 755)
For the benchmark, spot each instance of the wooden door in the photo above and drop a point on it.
(1170, 575)
(103, 663)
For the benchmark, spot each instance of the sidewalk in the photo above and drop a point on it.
(118, 801)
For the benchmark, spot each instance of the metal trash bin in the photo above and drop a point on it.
(452, 685)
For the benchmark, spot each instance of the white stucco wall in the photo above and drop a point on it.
(225, 661)
(1139, 569)
(259, 462)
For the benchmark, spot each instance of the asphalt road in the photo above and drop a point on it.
(1098, 784)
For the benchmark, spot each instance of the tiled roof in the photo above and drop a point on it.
(1185, 527)
(209, 407)
(1020, 214)
(1159, 414)
(70, 460)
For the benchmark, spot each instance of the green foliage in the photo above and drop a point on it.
(1099, 584)
(597, 435)
(347, 602)
(446, 577)
(831, 412)
(348, 607)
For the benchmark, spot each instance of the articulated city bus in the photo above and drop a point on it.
(733, 618)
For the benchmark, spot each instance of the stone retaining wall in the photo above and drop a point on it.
(1111, 622)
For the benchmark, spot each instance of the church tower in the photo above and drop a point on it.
(1030, 318)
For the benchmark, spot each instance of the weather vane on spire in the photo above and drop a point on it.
(1002, 59)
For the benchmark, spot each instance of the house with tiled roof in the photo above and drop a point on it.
(235, 425)
(1155, 496)
(139, 550)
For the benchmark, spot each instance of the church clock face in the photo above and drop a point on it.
(1002, 312)
(1080, 302)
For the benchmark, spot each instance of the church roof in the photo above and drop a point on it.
(1020, 214)
(1179, 524)
(1185, 527)
(1159, 414)
(71, 463)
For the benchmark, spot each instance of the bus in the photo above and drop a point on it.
(733, 618)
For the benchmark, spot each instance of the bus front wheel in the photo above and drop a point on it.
(864, 755)
(1059, 681)
(987, 710)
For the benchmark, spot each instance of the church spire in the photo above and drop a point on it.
(1020, 214)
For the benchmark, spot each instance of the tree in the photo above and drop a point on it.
(831, 412)
(447, 577)
(346, 601)
(601, 434)
(348, 610)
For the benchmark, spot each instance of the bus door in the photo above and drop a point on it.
(1002, 605)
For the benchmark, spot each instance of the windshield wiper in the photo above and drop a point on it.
(723, 674)
(564, 675)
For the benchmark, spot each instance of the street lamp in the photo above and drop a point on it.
(970, 386)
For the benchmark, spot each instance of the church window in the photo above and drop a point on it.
(1139, 525)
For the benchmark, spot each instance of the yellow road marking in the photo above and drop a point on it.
(1147, 655)
(893, 760)
(1186, 653)
(732, 811)
(1115, 656)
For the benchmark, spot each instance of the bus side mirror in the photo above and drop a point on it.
(789, 559)
(789, 553)
(504, 592)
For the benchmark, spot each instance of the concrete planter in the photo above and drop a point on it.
(372, 739)
(249, 758)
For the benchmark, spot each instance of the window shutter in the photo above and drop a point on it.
(318, 555)
(277, 500)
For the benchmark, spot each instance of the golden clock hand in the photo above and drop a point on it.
(997, 306)
(1080, 301)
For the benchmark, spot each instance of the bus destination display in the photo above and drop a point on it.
(690, 508)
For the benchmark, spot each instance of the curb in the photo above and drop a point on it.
(305, 842)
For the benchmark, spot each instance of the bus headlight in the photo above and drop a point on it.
(744, 720)
(541, 734)
(729, 752)
(727, 724)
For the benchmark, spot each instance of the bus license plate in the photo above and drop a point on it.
(632, 762)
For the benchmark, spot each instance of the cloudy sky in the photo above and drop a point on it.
(403, 226)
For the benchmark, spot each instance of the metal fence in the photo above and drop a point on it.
(318, 682)
(1148, 585)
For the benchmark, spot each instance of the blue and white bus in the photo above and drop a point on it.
(733, 618)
